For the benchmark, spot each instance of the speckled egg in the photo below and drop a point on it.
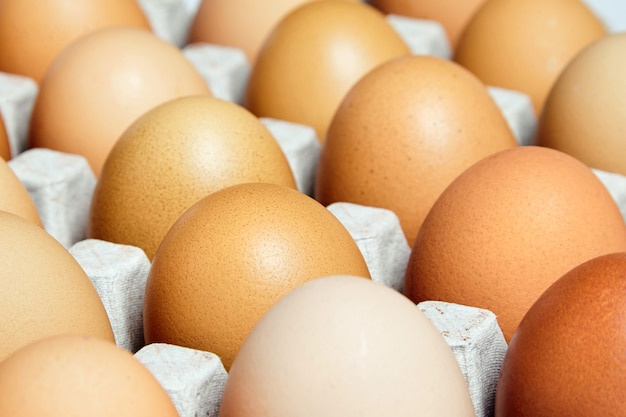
(231, 256)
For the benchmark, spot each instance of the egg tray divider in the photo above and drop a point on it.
(61, 185)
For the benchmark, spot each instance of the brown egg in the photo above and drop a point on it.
(508, 227)
(14, 197)
(452, 14)
(101, 83)
(171, 157)
(5, 146)
(313, 57)
(585, 111)
(221, 21)
(45, 292)
(524, 45)
(73, 375)
(231, 256)
(33, 32)
(567, 356)
(404, 132)
(341, 346)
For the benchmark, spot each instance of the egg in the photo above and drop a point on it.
(508, 227)
(453, 15)
(567, 356)
(524, 45)
(171, 157)
(34, 32)
(312, 58)
(585, 110)
(221, 21)
(100, 83)
(5, 146)
(403, 132)
(14, 197)
(45, 292)
(231, 256)
(345, 346)
(76, 375)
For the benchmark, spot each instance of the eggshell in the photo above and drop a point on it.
(5, 147)
(452, 14)
(524, 45)
(508, 227)
(44, 290)
(231, 256)
(34, 32)
(344, 346)
(312, 58)
(585, 110)
(567, 356)
(221, 21)
(102, 82)
(404, 132)
(171, 157)
(14, 197)
(74, 375)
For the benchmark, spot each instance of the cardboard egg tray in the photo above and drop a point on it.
(61, 185)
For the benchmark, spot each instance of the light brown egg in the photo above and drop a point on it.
(14, 197)
(452, 14)
(101, 83)
(73, 375)
(340, 346)
(45, 292)
(567, 356)
(508, 227)
(524, 45)
(5, 146)
(404, 132)
(231, 256)
(585, 111)
(171, 157)
(313, 57)
(34, 32)
(221, 21)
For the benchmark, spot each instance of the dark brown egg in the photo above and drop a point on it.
(567, 356)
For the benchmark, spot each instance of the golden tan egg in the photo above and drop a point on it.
(5, 146)
(404, 132)
(14, 197)
(45, 292)
(76, 375)
(231, 256)
(508, 227)
(524, 45)
(585, 110)
(34, 32)
(313, 57)
(171, 157)
(102, 82)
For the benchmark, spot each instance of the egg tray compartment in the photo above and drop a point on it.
(61, 186)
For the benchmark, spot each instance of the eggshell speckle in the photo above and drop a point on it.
(45, 292)
(72, 376)
(171, 157)
(231, 256)
(508, 227)
(343, 346)
(404, 132)
(567, 356)
(312, 58)
(585, 110)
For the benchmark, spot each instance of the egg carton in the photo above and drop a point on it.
(61, 186)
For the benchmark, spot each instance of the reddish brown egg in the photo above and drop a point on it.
(404, 132)
(508, 227)
(524, 45)
(102, 82)
(14, 197)
(34, 32)
(585, 111)
(231, 256)
(313, 57)
(567, 356)
(5, 146)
